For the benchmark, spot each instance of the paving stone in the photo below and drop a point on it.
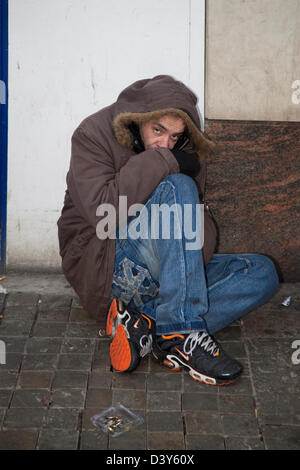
(18, 439)
(20, 312)
(43, 345)
(68, 398)
(70, 379)
(15, 344)
(164, 382)
(40, 362)
(48, 329)
(132, 399)
(8, 378)
(241, 386)
(15, 328)
(59, 314)
(62, 418)
(101, 363)
(24, 417)
(78, 345)
(165, 441)
(244, 443)
(93, 440)
(265, 382)
(235, 349)
(240, 425)
(100, 398)
(135, 381)
(163, 401)
(236, 404)
(202, 442)
(5, 396)
(2, 301)
(261, 350)
(12, 361)
(53, 301)
(230, 333)
(203, 423)
(198, 402)
(101, 379)
(56, 439)
(75, 361)
(282, 437)
(280, 407)
(81, 330)
(87, 414)
(131, 440)
(2, 413)
(21, 299)
(24, 398)
(143, 365)
(159, 421)
(273, 320)
(35, 379)
(102, 347)
(271, 355)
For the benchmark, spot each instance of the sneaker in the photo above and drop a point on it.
(131, 334)
(200, 354)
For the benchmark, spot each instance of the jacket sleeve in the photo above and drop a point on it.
(93, 179)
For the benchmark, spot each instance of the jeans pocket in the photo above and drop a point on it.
(133, 284)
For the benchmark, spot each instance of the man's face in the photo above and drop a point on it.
(162, 132)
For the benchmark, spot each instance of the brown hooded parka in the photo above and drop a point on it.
(104, 166)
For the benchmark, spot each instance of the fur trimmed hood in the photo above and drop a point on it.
(153, 98)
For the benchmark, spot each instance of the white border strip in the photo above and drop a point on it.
(197, 53)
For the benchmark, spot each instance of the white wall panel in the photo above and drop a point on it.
(67, 59)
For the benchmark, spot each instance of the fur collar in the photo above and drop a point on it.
(200, 144)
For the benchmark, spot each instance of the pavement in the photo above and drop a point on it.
(55, 376)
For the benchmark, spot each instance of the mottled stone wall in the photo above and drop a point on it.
(253, 187)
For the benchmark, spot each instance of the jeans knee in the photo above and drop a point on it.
(179, 178)
(268, 274)
(182, 183)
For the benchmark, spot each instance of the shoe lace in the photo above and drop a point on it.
(202, 339)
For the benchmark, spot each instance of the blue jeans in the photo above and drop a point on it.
(166, 278)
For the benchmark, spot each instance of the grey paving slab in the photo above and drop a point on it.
(57, 439)
(57, 375)
(18, 439)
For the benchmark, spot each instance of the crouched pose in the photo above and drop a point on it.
(137, 241)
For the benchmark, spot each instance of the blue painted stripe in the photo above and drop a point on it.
(3, 125)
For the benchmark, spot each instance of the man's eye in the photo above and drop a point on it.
(156, 130)
(175, 137)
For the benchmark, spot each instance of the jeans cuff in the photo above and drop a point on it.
(181, 328)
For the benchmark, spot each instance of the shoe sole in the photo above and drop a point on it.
(174, 364)
(123, 356)
(112, 313)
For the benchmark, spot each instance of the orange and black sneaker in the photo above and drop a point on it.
(132, 335)
(200, 354)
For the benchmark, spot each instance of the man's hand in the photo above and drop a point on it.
(188, 162)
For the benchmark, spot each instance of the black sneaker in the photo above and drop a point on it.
(131, 334)
(200, 354)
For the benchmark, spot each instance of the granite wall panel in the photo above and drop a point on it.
(253, 189)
